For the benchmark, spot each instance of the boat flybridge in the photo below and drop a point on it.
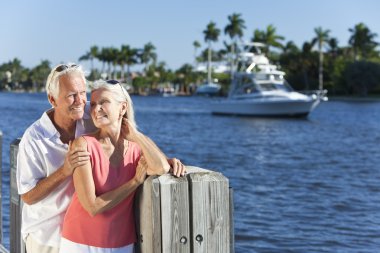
(260, 89)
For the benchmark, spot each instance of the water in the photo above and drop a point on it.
(300, 185)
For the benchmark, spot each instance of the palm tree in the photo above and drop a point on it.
(129, 57)
(322, 39)
(122, 56)
(185, 76)
(114, 59)
(290, 47)
(235, 30)
(268, 37)
(90, 55)
(39, 73)
(196, 45)
(306, 56)
(211, 34)
(362, 41)
(102, 57)
(333, 47)
(148, 55)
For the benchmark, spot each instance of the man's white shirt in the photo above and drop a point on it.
(41, 152)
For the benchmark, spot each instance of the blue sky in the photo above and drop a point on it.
(61, 31)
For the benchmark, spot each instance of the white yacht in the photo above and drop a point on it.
(261, 90)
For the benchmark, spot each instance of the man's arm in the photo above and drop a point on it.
(45, 186)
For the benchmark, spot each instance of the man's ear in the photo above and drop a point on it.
(52, 100)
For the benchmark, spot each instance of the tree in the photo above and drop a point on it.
(333, 47)
(196, 45)
(39, 73)
(268, 37)
(362, 41)
(185, 76)
(114, 58)
(290, 47)
(90, 55)
(106, 56)
(322, 37)
(235, 30)
(211, 34)
(362, 76)
(148, 55)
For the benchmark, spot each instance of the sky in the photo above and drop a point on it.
(62, 31)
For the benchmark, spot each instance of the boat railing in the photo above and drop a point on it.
(320, 94)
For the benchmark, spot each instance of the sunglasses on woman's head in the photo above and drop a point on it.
(63, 67)
(114, 82)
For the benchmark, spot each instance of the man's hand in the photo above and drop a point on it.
(75, 157)
(176, 167)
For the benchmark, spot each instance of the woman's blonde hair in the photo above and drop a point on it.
(119, 94)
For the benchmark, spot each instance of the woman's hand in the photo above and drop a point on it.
(128, 131)
(141, 171)
(75, 157)
(176, 167)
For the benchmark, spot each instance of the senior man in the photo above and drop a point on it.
(45, 162)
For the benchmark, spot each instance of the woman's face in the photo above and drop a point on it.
(105, 110)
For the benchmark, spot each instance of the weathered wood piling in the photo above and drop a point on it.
(2, 248)
(1, 192)
(17, 244)
(180, 215)
(188, 214)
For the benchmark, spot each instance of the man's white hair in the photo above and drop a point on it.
(52, 82)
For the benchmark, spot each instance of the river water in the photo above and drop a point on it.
(300, 185)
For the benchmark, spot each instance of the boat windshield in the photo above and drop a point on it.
(244, 85)
(270, 86)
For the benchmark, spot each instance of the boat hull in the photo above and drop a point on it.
(208, 89)
(297, 108)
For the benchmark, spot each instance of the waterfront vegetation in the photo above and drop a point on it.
(320, 63)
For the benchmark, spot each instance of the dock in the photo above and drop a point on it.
(193, 213)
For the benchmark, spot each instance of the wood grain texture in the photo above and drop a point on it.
(210, 212)
(16, 242)
(148, 216)
(1, 192)
(175, 214)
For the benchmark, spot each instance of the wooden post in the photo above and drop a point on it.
(194, 215)
(210, 212)
(174, 214)
(1, 191)
(232, 224)
(2, 248)
(16, 242)
(148, 221)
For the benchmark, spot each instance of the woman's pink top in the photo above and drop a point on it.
(113, 228)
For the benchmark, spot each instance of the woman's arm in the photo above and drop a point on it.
(156, 160)
(74, 158)
(85, 186)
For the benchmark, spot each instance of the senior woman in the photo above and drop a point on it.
(100, 217)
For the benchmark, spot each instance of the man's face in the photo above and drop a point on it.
(72, 97)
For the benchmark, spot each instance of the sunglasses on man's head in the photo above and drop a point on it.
(61, 68)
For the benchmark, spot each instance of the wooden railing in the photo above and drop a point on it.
(2, 248)
(173, 215)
